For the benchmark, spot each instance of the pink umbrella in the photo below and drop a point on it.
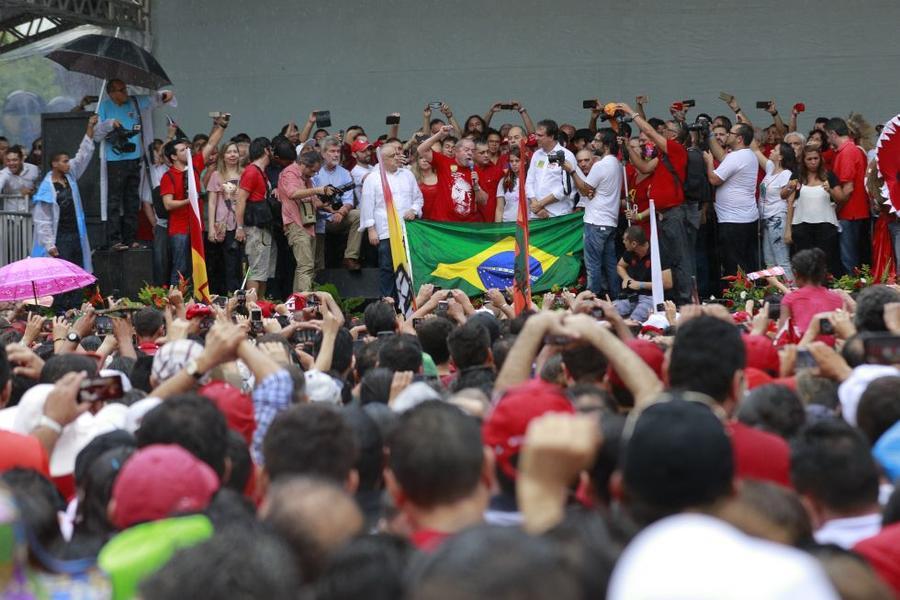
(33, 277)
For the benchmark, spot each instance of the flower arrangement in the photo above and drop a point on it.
(860, 278)
(155, 296)
(741, 289)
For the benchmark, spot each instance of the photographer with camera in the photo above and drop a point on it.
(173, 187)
(125, 132)
(299, 198)
(337, 214)
(407, 198)
(668, 171)
(459, 193)
(549, 189)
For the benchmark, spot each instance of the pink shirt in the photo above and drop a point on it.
(809, 301)
(224, 198)
(289, 181)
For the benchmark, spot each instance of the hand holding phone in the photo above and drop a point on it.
(763, 104)
(101, 389)
(392, 119)
(589, 104)
(323, 118)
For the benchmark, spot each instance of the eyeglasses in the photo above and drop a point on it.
(115, 90)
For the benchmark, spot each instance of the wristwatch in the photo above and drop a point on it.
(193, 370)
(73, 337)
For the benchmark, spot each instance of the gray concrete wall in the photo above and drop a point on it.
(272, 60)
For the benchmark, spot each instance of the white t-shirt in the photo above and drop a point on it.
(813, 205)
(698, 557)
(848, 531)
(358, 174)
(770, 191)
(736, 198)
(605, 177)
(404, 191)
(511, 203)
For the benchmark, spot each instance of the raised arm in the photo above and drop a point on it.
(644, 126)
(307, 127)
(424, 149)
(494, 108)
(445, 108)
(776, 118)
(760, 157)
(526, 119)
(215, 135)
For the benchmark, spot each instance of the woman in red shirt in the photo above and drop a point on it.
(802, 304)
(638, 188)
(428, 183)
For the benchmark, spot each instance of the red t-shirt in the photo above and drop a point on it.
(809, 301)
(430, 199)
(641, 199)
(759, 455)
(455, 198)
(428, 540)
(828, 158)
(664, 190)
(253, 181)
(488, 179)
(22, 451)
(882, 552)
(850, 165)
(173, 183)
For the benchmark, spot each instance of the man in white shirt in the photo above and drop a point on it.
(364, 153)
(549, 189)
(17, 178)
(408, 202)
(833, 471)
(736, 208)
(601, 215)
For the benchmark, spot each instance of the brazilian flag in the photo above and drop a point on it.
(474, 257)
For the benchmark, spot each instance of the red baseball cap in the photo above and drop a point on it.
(158, 481)
(649, 352)
(236, 406)
(505, 426)
(762, 354)
(360, 145)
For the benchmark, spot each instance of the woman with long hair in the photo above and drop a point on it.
(819, 139)
(428, 184)
(508, 190)
(224, 258)
(780, 168)
(811, 209)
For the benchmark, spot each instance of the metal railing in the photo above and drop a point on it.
(16, 231)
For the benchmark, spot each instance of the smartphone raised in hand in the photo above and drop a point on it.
(763, 104)
(506, 107)
(392, 120)
(103, 325)
(689, 103)
(323, 119)
(592, 104)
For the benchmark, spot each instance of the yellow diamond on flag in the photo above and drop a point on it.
(494, 266)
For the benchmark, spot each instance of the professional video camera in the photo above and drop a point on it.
(119, 138)
(701, 124)
(558, 157)
(340, 190)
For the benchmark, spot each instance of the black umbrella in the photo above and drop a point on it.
(111, 58)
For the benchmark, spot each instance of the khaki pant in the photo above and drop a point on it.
(261, 253)
(303, 246)
(350, 225)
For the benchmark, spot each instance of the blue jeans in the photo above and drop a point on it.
(386, 281)
(775, 251)
(638, 310)
(600, 259)
(850, 239)
(180, 253)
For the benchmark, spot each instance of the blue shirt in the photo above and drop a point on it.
(130, 120)
(337, 177)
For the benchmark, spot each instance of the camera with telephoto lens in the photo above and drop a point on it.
(701, 125)
(558, 157)
(119, 139)
(340, 190)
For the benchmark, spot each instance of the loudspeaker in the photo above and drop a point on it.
(362, 283)
(123, 274)
(63, 132)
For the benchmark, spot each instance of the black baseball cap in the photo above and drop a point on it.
(677, 457)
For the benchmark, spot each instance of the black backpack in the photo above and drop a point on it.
(696, 184)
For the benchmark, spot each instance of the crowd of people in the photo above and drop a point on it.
(248, 449)
(728, 195)
(593, 446)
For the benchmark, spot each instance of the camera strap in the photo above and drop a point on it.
(671, 169)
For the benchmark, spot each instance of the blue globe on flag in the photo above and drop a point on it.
(498, 270)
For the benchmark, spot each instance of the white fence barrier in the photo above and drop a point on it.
(16, 236)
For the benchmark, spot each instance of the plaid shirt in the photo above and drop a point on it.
(271, 396)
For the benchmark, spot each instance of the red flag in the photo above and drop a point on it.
(887, 156)
(522, 277)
